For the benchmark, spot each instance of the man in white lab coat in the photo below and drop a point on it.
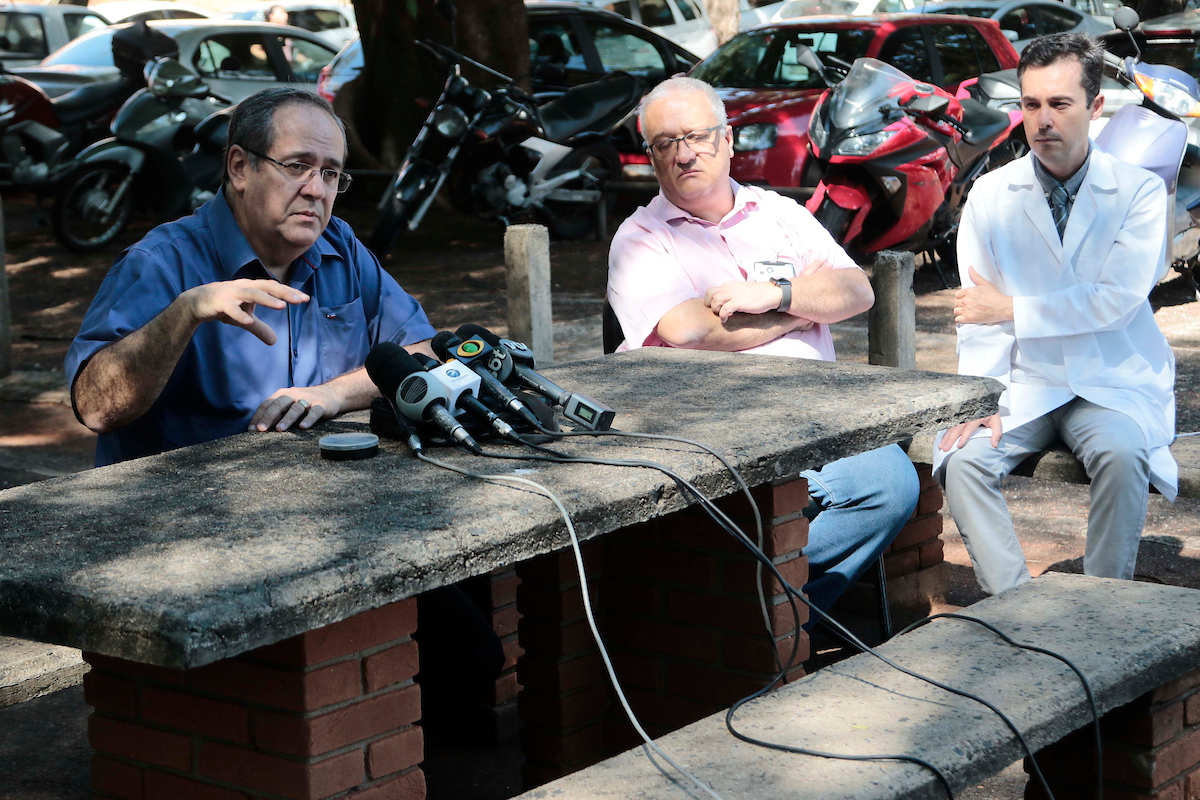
(1058, 252)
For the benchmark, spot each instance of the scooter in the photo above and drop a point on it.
(899, 157)
(503, 155)
(1153, 135)
(166, 151)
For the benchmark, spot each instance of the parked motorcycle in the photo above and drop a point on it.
(503, 155)
(1154, 136)
(39, 136)
(898, 159)
(166, 151)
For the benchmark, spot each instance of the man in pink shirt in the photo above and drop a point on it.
(713, 265)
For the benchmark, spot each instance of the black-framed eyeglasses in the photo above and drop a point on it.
(702, 142)
(301, 173)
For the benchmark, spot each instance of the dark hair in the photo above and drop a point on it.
(271, 11)
(1046, 50)
(252, 124)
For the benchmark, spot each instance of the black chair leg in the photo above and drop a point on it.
(885, 613)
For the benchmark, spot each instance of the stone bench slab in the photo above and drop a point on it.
(1127, 637)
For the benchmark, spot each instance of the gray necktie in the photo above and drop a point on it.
(1058, 208)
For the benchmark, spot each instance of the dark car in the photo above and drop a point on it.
(1025, 20)
(769, 95)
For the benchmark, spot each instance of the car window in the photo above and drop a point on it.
(983, 51)
(620, 50)
(79, 24)
(317, 19)
(25, 34)
(889, 7)
(953, 45)
(1020, 22)
(555, 55)
(1057, 20)
(93, 50)
(766, 59)
(688, 10)
(234, 55)
(305, 58)
(178, 14)
(970, 11)
(623, 7)
(905, 50)
(655, 13)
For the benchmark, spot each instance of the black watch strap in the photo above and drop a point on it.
(785, 302)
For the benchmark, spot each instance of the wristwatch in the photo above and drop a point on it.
(785, 302)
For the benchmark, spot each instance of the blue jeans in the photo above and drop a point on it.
(864, 501)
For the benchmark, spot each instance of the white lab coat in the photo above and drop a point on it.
(1082, 325)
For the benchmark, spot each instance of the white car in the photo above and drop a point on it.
(756, 12)
(811, 8)
(684, 22)
(332, 21)
(138, 10)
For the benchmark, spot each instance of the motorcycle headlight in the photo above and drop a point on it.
(1169, 97)
(861, 145)
(450, 122)
(758, 136)
(816, 132)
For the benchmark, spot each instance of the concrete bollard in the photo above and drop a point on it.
(5, 310)
(527, 262)
(892, 321)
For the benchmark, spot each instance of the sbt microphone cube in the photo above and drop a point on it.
(459, 380)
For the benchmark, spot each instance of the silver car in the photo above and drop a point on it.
(29, 33)
(236, 59)
(1023, 20)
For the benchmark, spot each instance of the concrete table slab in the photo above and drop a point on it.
(1127, 637)
(198, 555)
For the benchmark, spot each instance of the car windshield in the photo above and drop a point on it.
(767, 59)
(91, 50)
(870, 85)
(966, 11)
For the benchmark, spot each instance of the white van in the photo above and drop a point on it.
(684, 22)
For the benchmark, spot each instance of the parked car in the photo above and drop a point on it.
(1024, 20)
(757, 12)
(769, 95)
(138, 10)
(29, 33)
(333, 22)
(684, 22)
(812, 8)
(235, 59)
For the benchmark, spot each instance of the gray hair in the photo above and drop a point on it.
(252, 123)
(682, 85)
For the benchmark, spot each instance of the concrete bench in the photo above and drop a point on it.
(1139, 645)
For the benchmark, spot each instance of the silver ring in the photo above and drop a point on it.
(304, 404)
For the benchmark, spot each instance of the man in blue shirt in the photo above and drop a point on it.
(254, 313)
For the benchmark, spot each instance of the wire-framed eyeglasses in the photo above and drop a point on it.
(702, 142)
(299, 172)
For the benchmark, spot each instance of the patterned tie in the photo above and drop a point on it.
(1058, 208)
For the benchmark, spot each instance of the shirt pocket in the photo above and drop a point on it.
(344, 338)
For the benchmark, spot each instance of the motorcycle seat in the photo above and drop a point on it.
(582, 107)
(984, 126)
(91, 100)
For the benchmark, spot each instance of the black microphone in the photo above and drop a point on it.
(579, 408)
(419, 395)
(476, 354)
(471, 404)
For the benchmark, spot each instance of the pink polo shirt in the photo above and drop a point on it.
(662, 256)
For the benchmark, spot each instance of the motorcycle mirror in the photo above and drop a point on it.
(806, 57)
(1125, 18)
(169, 78)
(932, 104)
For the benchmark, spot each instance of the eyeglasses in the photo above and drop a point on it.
(299, 172)
(702, 142)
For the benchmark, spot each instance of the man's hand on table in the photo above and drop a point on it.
(233, 302)
(982, 303)
(302, 407)
(961, 433)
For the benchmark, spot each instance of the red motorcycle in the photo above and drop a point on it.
(898, 157)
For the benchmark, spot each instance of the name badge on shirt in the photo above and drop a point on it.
(762, 271)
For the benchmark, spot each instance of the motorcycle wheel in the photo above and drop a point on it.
(392, 220)
(575, 220)
(78, 208)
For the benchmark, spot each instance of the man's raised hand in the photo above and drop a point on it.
(233, 302)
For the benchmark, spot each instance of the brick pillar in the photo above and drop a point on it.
(680, 617)
(495, 595)
(1151, 750)
(330, 712)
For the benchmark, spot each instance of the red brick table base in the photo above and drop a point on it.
(330, 713)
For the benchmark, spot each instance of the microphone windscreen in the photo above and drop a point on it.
(388, 363)
(471, 330)
(441, 344)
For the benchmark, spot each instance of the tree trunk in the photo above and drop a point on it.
(396, 72)
(725, 16)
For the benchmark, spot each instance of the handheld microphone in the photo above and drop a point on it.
(475, 354)
(453, 375)
(419, 395)
(579, 408)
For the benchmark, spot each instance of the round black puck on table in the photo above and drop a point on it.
(349, 446)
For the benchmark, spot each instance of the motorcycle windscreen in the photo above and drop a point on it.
(869, 84)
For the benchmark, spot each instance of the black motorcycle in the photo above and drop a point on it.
(166, 152)
(503, 155)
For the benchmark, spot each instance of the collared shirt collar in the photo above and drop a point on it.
(669, 211)
(1071, 184)
(234, 250)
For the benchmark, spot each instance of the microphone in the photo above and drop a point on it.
(579, 408)
(462, 385)
(419, 395)
(477, 354)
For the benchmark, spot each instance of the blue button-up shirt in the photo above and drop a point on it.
(226, 372)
